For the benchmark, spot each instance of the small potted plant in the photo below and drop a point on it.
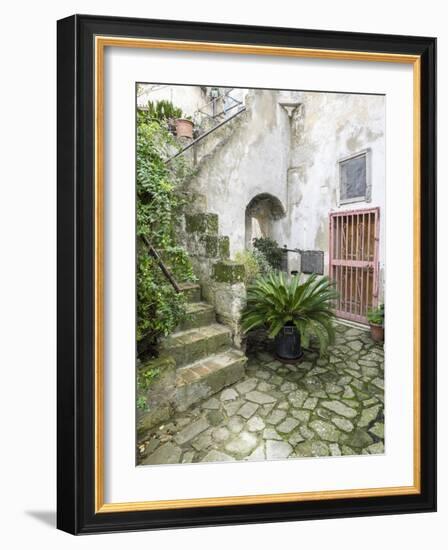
(165, 112)
(375, 317)
(184, 127)
(292, 312)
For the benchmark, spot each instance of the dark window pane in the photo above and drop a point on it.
(353, 178)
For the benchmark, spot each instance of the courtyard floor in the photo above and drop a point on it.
(329, 406)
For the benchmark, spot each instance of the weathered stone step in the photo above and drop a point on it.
(199, 315)
(209, 246)
(192, 345)
(203, 223)
(192, 291)
(204, 378)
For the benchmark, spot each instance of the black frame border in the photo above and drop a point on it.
(76, 262)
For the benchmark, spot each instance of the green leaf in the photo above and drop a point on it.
(159, 204)
(276, 299)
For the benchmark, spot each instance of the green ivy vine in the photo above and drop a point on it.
(160, 203)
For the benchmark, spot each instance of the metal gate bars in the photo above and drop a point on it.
(354, 244)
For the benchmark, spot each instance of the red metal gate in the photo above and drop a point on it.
(354, 240)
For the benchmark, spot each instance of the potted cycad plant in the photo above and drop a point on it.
(375, 317)
(292, 312)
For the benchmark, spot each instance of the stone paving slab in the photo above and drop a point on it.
(323, 406)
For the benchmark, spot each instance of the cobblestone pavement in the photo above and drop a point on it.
(328, 406)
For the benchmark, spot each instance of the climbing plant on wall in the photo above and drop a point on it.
(159, 206)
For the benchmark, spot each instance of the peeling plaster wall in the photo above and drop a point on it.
(328, 128)
(253, 160)
(293, 157)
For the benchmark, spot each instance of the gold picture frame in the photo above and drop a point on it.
(101, 511)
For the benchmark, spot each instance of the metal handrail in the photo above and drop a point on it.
(205, 134)
(213, 100)
(223, 112)
(153, 252)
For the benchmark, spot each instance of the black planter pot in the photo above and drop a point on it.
(287, 344)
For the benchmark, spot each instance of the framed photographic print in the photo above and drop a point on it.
(246, 274)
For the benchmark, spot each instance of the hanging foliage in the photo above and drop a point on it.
(159, 205)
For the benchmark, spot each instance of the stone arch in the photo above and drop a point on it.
(262, 212)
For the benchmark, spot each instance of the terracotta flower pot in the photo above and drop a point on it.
(184, 128)
(377, 333)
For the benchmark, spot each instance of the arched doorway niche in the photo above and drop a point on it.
(262, 212)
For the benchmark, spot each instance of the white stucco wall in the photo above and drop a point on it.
(332, 127)
(288, 145)
(253, 160)
(296, 160)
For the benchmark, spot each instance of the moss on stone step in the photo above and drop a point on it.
(156, 363)
(224, 248)
(191, 291)
(199, 314)
(156, 389)
(228, 272)
(207, 377)
(193, 345)
(202, 223)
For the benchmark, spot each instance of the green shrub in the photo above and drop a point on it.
(159, 307)
(159, 205)
(271, 251)
(144, 382)
(376, 316)
(276, 299)
(254, 262)
(162, 111)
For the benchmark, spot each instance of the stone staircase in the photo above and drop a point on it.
(202, 356)
(206, 360)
